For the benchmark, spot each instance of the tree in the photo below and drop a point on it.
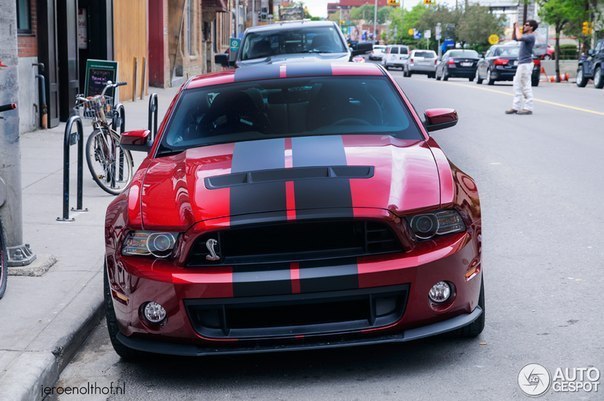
(477, 23)
(562, 14)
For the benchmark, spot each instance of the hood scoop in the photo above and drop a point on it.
(287, 174)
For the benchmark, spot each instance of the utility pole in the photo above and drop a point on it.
(374, 21)
(11, 214)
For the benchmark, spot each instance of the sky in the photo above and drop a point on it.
(318, 8)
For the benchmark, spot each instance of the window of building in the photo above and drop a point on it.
(23, 16)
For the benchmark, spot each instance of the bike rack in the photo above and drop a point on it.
(120, 111)
(153, 115)
(72, 138)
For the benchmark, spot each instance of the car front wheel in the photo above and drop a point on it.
(598, 78)
(581, 80)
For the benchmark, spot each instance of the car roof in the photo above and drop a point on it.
(286, 25)
(287, 70)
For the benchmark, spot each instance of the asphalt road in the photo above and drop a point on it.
(541, 187)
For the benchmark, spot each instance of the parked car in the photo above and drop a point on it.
(592, 67)
(544, 51)
(377, 53)
(360, 47)
(500, 63)
(269, 215)
(421, 62)
(455, 63)
(395, 56)
(316, 41)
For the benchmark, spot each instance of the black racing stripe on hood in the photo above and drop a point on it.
(318, 276)
(320, 193)
(259, 197)
(259, 280)
(254, 73)
(318, 69)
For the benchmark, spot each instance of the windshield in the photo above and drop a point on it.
(287, 108)
(425, 54)
(464, 53)
(287, 41)
(509, 51)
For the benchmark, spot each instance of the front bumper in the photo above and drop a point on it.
(176, 349)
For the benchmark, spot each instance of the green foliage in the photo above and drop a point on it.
(366, 12)
(568, 52)
(477, 23)
(563, 15)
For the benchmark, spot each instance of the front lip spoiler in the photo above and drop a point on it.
(175, 349)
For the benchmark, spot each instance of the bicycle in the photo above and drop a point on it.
(3, 250)
(111, 166)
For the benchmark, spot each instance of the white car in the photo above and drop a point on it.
(421, 62)
(377, 53)
(395, 56)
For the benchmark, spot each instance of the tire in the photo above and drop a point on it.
(445, 74)
(535, 82)
(491, 81)
(598, 78)
(477, 326)
(3, 263)
(437, 76)
(581, 80)
(478, 79)
(471, 78)
(123, 351)
(101, 162)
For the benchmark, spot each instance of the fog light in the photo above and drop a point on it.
(154, 312)
(440, 292)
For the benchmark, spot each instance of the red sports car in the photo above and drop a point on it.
(287, 207)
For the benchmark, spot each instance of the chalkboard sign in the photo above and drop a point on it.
(98, 72)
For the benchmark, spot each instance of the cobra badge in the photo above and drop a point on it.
(211, 245)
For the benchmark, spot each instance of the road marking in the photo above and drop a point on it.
(565, 106)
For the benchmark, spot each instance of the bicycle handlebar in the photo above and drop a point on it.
(7, 107)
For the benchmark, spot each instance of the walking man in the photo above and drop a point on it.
(523, 92)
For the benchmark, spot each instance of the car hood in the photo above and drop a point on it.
(290, 176)
(297, 57)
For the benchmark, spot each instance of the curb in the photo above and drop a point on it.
(31, 371)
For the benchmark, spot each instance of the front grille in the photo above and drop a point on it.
(295, 241)
(300, 314)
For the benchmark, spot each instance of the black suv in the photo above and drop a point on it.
(592, 67)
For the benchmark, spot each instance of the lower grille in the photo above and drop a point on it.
(300, 314)
(295, 241)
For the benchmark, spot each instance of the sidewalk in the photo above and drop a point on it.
(47, 317)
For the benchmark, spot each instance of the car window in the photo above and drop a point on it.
(288, 41)
(425, 54)
(463, 53)
(394, 50)
(404, 50)
(286, 108)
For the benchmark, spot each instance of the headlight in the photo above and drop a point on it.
(427, 225)
(144, 243)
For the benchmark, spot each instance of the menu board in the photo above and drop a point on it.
(98, 72)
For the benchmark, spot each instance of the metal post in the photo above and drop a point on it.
(72, 138)
(19, 253)
(152, 121)
(374, 21)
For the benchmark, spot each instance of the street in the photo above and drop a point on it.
(541, 191)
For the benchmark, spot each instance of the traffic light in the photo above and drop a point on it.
(393, 3)
(428, 2)
(585, 28)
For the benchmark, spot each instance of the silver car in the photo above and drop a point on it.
(300, 40)
(421, 62)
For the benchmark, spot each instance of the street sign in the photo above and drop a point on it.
(411, 31)
(438, 32)
(427, 34)
(493, 39)
(417, 34)
(234, 44)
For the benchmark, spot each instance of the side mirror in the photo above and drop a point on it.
(222, 59)
(439, 119)
(591, 52)
(139, 140)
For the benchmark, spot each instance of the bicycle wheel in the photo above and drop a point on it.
(3, 263)
(110, 165)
